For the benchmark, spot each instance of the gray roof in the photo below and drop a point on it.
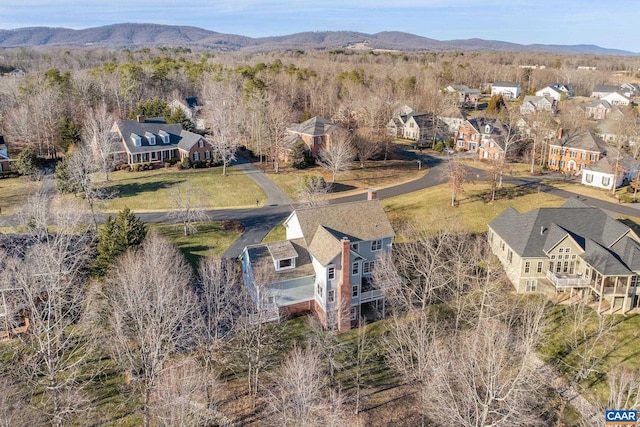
(506, 84)
(605, 88)
(614, 159)
(178, 137)
(532, 234)
(315, 126)
(304, 267)
(585, 140)
(597, 102)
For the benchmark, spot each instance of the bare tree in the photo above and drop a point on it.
(81, 168)
(187, 210)
(278, 116)
(312, 191)
(624, 388)
(48, 279)
(366, 145)
(151, 304)
(97, 128)
(339, 154)
(222, 114)
(457, 179)
(361, 356)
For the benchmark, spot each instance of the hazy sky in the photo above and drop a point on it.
(611, 24)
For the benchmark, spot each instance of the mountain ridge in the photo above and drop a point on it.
(133, 35)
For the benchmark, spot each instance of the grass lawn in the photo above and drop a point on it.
(212, 238)
(151, 190)
(14, 193)
(376, 174)
(276, 234)
(432, 205)
(596, 193)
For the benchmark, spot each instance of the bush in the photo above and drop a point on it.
(173, 161)
(137, 167)
(626, 198)
(439, 147)
(167, 165)
(179, 166)
(186, 163)
(199, 164)
(125, 167)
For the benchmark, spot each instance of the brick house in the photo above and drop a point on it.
(573, 153)
(315, 132)
(483, 135)
(324, 266)
(575, 249)
(155, 141)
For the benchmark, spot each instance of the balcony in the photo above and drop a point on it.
(563, 280)
(371, 295)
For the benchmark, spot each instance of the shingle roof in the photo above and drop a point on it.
(585, 140)
(304, 267)
(605, 88)
(315, 126)
(178, 137)
(506, 84)
(597, 102)
(614, 159)
(532, 233)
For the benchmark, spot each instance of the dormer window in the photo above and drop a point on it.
(164, 136)
(487, 129)
(284, 264)
(136, 140)
(151, 138)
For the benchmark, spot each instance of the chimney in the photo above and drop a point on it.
(560, 133)
(372, 194)
(542, 230)
(140, 118)
(344, 287)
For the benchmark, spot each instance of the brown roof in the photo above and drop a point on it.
(324, 246)
(282, 250)
(303, 268)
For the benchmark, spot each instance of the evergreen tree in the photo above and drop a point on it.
(155, 107)
(70, 133)
(116, 236)
(178, 116)
(28, 163)
(64, 183)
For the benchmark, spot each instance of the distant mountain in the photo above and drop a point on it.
(120, 36)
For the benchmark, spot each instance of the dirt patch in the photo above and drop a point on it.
(232, 225)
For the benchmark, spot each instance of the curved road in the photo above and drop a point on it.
(259, 221)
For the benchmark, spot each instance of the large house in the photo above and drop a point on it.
(612, 171)
(509, 90)
(575, 152)
(598, 109)
(315, 133)
(465, 95)
(602, 90)
(191, 108)
(573, 249)
(5, 160)
(154, 141)
(556, 91)
(484, 135)
(324, 265)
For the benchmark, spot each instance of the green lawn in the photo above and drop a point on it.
(212, 238)
(13, 194)
(151, 190)
(432, 205)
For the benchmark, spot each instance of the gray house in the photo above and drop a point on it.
(574, 249)
(324, 265)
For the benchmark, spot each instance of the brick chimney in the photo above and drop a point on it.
(140, 118)
(372, 194)
(344, 287)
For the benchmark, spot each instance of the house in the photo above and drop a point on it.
(575, 152)
(610, 130)
(598, 109)
(616, 98)
(556, 91)
(531, 104)
(630, 90)
(315, 132)
(465, 96)
(17, 72)
(155, 141)
(453, 118)
(5, 160)
(574, 249)
(191, 108)
(509, 90)
(612, 171)
(417, 126)
(602, 90)
(324, 265)
(485, 135)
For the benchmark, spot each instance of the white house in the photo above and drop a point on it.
(616, 98)
(324, 265)
(531, 104)
(509, 90)
(614, 169)
(552, 91)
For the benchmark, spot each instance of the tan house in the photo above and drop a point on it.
(324, 266)
(597, 109)
(571, 154)
(154, 141)
(575, 249)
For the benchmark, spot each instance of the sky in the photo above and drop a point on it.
(611, 24)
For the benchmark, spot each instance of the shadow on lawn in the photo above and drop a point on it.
(135, 188)
(336, 187)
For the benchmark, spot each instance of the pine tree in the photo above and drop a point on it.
(116, 236)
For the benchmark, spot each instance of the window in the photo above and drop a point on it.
(154, 155)
(207, 154)
(271, 300)
(367, 266)
(319, 290)
(552, 162)
(560, 250)
(354, 268)
(509, 256)
(331, 273)
(201, 143)
(196, 156)
(354, 313)
(554, 150)
(354, 246)
(532, 285)
(563, 152)
(527, 267)
(561, 164)
(285, 263)
(331, 296)
(567, 250)
(496, 156)
(539, 269)
(376, 245)
(354, 291)
(573, 154)
(593, 157)
(553, 257)
(583, 156)
(606, 180)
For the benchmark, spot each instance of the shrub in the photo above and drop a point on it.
(125, 167)
(167, 165)
(186, 163)
(137, 167)
(179, 166)
(626, 198)
(439, 147)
